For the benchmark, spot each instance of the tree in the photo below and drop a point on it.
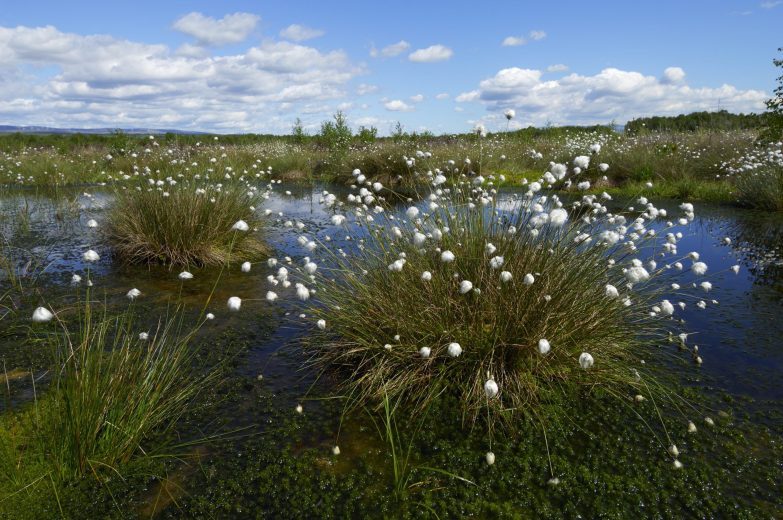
(298, 131)
(775, 107)
(336, 135)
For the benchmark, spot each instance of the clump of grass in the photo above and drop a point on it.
(110, 391)
(518, 276)
(761, 189)
(185, 226)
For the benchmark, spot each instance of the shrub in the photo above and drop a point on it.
(185, 226)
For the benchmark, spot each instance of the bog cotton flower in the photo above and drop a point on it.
(240, 225)
(246, 267)
(271, 296)
(496, 262)
(611, 291)
(491, 388)
(302, 292)
(505, 277)
(92, 223)
(42, 314)
(544, 347)
(558, 217)
(447, 257)
(412, 212)
(133, 294)
(528, 279)
(90, 256)
(426, 276)
(490, 457)
(585, 360)
(144, 336)
(699, 268)
(185, 275)
(321, 324)
(234, 303)
(424, 352)
(454, 349)
(465, 286)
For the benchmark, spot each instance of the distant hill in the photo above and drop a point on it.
(10, 129)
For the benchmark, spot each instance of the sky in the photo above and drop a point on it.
(235, 66)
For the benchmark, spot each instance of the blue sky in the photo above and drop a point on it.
(237, 66)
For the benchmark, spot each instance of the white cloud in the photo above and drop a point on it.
(364, 89)
(232, 28)
(418, 98)
(442, 95)
(431, 54)
(392, 50)
(607, 95)
(516, 41)
(300, 33)
(558, 67)
(673, 75)
(771, 5)
(513, 41)
(466, 97)
(98, 80)
(397, 105)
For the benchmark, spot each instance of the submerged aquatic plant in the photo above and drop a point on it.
(186, 225)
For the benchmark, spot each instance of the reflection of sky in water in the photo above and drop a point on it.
(740, 339)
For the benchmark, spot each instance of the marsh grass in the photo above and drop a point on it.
(366, 305)
(109, 392)
(761, 189)
(187, 227)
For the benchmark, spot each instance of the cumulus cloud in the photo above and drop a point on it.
(673, 75)
(442, 95)
(610, 94)
(513, 41)
(232, 28)
(466, 97)
(537, 35)
(397, 105)
(98, 80)
(558, 67)
(300, 33)
(431, 54)
(418, 98)
(392, 50)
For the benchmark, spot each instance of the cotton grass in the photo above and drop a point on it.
(567, 308)
(189, 227)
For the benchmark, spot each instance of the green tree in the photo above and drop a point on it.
(775, 106)
(336, 135)
(298, 131)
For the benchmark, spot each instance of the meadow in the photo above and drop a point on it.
(545, 322)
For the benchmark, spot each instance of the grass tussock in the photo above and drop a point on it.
(761, 189)
(110, 391)
(389, 327)
(186, 226)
